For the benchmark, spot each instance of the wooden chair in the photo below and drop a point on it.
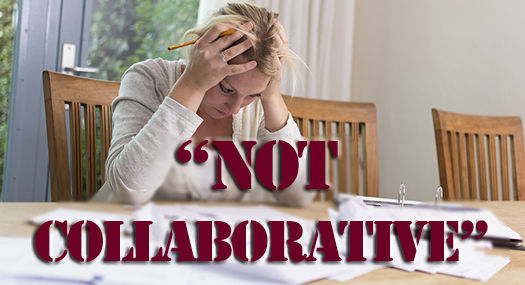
(356, 124)
(467, 148)
(88, 129)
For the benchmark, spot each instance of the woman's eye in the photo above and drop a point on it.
(224, 89)
(254, 96)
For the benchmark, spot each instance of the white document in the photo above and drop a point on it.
(97, 271)
(12, 249)
(472, 264)
(73, 216)
(232, 271)
(269, 272)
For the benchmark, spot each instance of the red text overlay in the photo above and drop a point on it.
(280, 242)
(264, 162)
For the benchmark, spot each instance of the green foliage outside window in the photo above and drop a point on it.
(128, 31)
(6, 53)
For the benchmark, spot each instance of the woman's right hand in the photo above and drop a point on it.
(206, 68)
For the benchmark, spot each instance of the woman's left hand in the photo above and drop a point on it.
(275, 111)
(281, 42)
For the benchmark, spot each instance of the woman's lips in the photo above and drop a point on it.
(224, 114)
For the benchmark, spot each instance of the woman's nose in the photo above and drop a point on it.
(234, 105)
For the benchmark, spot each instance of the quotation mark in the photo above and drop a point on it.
(200, 155)
(468, 227)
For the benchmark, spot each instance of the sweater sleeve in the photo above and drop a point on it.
(296, 195)
(146, 130)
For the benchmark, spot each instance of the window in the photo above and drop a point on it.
(124, 32)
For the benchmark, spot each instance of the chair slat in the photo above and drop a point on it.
(105, 138)
(315, 128)
(455, 163)
(330, 192)
(518, 158)
(471, 152)
(444, 159)
(355, 158)
(504, 164)
(341, 128)
(518, 165)
(370, 160)
(305, 123)
(463, 164)
(91, 152)
(75, 123)
(59, 173)
(482, 168)
(327, 132)
(343, 174)
(328, 128)
(493, 168)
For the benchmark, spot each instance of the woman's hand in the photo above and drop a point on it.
(275, 111)
(281, 42)
(206, 68)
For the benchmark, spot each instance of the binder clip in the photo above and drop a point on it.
(439, 194)
(439, 197)
(402, 191)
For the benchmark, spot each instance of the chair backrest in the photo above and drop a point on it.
(356, 126)
(87, 128)
(471, 148)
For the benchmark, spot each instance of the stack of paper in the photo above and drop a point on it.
(473, 263)
(28, 268)
(24, 267)
(280, 273)
(20, 265)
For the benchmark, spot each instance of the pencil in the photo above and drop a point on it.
(228, 32)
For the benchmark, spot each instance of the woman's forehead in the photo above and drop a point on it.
(248, 83)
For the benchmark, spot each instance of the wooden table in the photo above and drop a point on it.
(14, 216)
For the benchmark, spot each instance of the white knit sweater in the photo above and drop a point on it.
(148, 128)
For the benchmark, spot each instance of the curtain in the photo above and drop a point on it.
(320, 32)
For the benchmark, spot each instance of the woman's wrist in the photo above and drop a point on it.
(275, 112)
(187, 94)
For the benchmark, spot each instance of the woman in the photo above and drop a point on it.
(229, 88)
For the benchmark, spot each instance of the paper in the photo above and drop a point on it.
(429, 212)
(11, 249)
(72, 216)
(26, 268)
(282, 273)
(472, 264)
(29, 266)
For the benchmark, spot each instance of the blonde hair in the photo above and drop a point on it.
(264, 28)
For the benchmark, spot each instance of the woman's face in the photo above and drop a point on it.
(234, 92)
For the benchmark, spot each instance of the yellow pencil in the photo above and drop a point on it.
(228, 32)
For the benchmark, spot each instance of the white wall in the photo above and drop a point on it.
(410, 56)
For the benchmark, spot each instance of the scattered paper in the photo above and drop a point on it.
(473, 263)
(20, 265)
(73, 216)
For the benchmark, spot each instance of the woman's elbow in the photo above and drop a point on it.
(128, 193)
(131, 197)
